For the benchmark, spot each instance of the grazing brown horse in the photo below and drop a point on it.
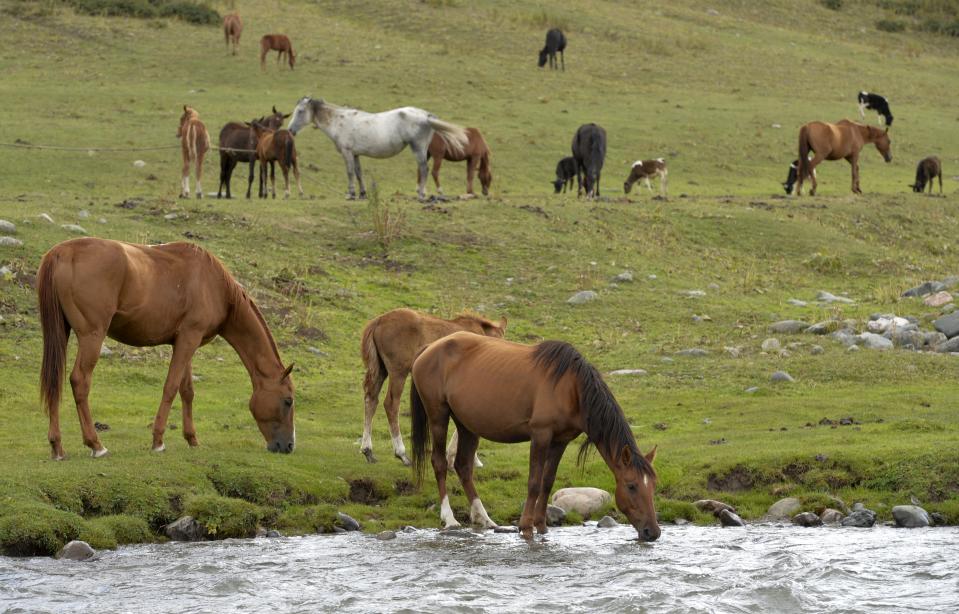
(146, 295)
(232, 29)
(390, 343)
(276, 146)
(477, 156)
(279, 43)
(546, 394)
(238, 144)
(194, 143)
(927, 170)
(844, 139)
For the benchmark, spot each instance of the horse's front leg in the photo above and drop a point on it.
(184, 347)
(854, 164)
(538, 448)
(553, 456)
(358, 171)
(249, 182)
(186, 399)
(349, 159)
(472, 163)
(438, 428)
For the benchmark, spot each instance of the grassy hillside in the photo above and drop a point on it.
(703, 90)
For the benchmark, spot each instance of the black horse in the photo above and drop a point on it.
(565, 172)
(555, 41)
(589, 150)
(238, 144)
(927, 170)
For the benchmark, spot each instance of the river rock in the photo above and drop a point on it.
(823, 328)
(827, 297)
(584, 500)
(872, 341)
(386, 535)
(861, 518)
(946, 347)
(781, 376)
(629, 372)
(347, 522)
(938, 299)
(807, 519)
(7, 227)
(712, 506)
(6, 241)
(506, 529)
(784, 508)
(771, 345)
(624, 277)
(185, 529)
(927, 288)
(910, 516)
(607, 522)
(831, 516)
(77, 551)
(933, 338)
(788, 327)
(948, 325)
(694, 352)
(582, 297)
(938, 520)
(730, 519)
(555, 515)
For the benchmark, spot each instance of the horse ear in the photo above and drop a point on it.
(286, 373)
(274, 110)
(184, 108)
(626, 456)
(285, 115)
(651, 455)
(502, 323)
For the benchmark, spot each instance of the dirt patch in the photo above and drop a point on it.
(535, 209)
(404, 487)
(364, 491)
(311, 333)
(737, 479)
(387, 263)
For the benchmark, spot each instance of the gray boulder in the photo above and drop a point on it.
(6, 241)
(831, 516)
(7, 227)
(784, 508)
(386, 535)
(583, 500)
(555, 515)
(827, 297)
(506, 529)
(347, 522)
(907, 338)
(823, 328)
(771, 345)
(952, 345)
(948, 325)
(582, 297)
(807, 519)
(861, 518)
(872, 341)
(816, 350)
(927, 288)
(781, 376)
(185, 529)
(788, 327)
(75, 228)
(730, 519)
(77, 551)
(910, 516)
(607, 522)
(624, 277)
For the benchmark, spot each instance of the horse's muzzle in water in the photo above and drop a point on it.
(648, 534)
(284, 447)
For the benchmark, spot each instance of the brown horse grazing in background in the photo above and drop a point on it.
(276, 146)
(390, 343)
(238, 144)
(232, 29)
(546, 394)
(476, 153)
(276, 42)
(927, 170)
(844, 139)
(146, 295)
(194, 143)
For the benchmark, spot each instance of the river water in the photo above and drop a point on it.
(762, 568)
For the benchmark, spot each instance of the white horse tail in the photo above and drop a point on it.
(453, 135)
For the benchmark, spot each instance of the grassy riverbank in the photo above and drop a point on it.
(672, 82)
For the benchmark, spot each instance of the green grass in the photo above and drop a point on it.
(702, 90)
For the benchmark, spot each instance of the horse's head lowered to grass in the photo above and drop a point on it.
(272, 407)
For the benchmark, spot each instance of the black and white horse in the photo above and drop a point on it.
(589, 150)
(877, 103)
(555, 41)
(793, 176)
(565, 173)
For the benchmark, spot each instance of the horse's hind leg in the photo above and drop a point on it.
(420, 152)
(553, 456)
(472, 163)
(538, 452)
(392, 406)
(372, 384)
(88, 352)
(439, 425)
(468, 442)
(452, 448)
(199, 175)
(184, 347)
(358, 171)
(349, 159)
(437, 163)
(186, 399)
(249, 182)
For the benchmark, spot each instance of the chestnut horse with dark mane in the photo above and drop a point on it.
(844, 139)
(238, 144)
(279, 43)
(390, 343)
(146, 295)
(194, 143)
(477, 156)
(546, 394)
(232, 29)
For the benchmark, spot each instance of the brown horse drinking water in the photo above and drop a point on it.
(279, 43)
(145, 295)
(477, 156)
(390, 343)
(844, 139)
(232, 29)
(546, 394)
(194, 143)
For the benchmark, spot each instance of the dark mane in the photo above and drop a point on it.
(606, 425)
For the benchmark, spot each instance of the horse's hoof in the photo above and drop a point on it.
(404, 459)
(58, 457)
(368, 453)
(192, 442)
(99, 453)
(160, 448)
(199, 195)
(526, 533)
(362, 195)
(351, 197)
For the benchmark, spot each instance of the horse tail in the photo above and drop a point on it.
(454, 136)
(375, 367)
(802, 171)
(419, 432)
(56, 332)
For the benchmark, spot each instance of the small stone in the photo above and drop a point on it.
(693, 293)
(872, 341)
(938, 299)
(712, 506)
(770, 345)
(853, 348)
(807, 519)
(77, 551)
(317, 352)
(911, 516)
(105, 351)
(732, 352)
(273, 533)
(788, 327)
(582, 297)
(680, 521)
(83, 214)
(170, 216)
(927, 288)
(185, 529)
(7, 227)
(607, 522)
(628, 372)
(75, 228)
(827, 297)
(862, 518)
(506, 529)
(831, 516)
(937, 519)
(694, 352)
(781, 376)
(816, 350)
(784, 508)
(46, 217)
(713, 286)
(624, 277)
(651, 276)
(752, 390)
(795, 302)
(6, 241)
(730, 519)
(347, 522)
(823, 328)
(386, 535)
(555, 515)
(139, 163)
